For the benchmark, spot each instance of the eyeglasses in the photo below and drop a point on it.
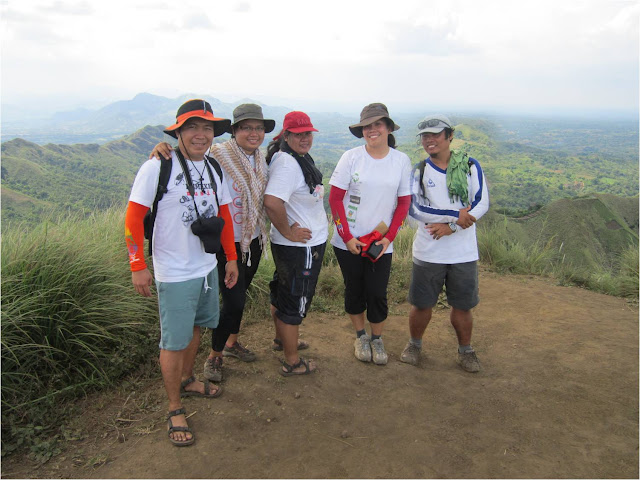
(248, 129)
(434, 122)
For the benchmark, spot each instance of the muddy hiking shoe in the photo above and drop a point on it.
(410, 354)
(378, 354)
(362, 347)
(213, 369)
(469, 362)
(240, 352)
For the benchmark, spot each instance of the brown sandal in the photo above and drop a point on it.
(172, 429)
(207, 389)
(289, 370)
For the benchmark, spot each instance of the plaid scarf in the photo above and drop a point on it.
(252, 184)
(457, 172)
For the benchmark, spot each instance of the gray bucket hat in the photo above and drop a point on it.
(371, 113)
(251, 111)
(434, 124)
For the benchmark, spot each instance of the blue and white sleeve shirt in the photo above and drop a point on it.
(430, 203)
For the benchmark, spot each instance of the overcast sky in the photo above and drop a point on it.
(326, 55)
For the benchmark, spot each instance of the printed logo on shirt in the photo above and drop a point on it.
(352, 212)
(430, 184)
(354, 199)
(318, 192)
(355, 178)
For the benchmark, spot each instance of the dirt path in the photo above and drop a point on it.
(557, 397)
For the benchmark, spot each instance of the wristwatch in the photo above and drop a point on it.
(453, 226)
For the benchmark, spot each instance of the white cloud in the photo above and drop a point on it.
(438, 39)
(498, 52)
(242, 7)
(198, 20)
(68, 8)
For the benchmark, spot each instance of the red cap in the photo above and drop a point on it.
(296, 122)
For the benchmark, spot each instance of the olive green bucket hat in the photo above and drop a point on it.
(251, 111)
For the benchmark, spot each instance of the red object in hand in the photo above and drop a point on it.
(370, 239)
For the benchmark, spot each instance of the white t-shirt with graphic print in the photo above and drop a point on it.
(373, 187)
(178, 254)
(286, 181)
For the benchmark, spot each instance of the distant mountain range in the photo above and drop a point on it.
(529, 163)
(115, 120)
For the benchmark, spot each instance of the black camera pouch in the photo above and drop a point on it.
(209, 231)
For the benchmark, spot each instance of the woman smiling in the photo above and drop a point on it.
(369, 191)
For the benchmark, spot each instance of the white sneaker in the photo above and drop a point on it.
(379, 355)
(363, 348)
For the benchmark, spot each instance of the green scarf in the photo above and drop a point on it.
(457, 172)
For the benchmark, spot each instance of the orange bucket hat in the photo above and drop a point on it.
(198, 108)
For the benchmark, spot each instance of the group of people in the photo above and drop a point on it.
(373, 187)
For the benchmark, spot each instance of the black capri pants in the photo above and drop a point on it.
(234, 299)
(365, 284)
(294, 280)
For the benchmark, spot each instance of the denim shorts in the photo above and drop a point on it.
(460, 280)
(185, 305)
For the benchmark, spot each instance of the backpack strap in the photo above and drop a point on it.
(163, 182)
(420, 166)
(216, 165)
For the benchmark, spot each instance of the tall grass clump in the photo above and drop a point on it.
(71, 320)
(621, 280)
(629, 263)
(498, 248)
(504, 253)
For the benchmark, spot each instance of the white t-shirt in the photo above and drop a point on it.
(286, 181)
(235, 207)
(178, 254)
(373, 187)
(461, 246)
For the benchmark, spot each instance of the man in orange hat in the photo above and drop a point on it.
(184, 260)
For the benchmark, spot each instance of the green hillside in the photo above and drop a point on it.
(38, 181)
(587, 232)
(523, 178)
